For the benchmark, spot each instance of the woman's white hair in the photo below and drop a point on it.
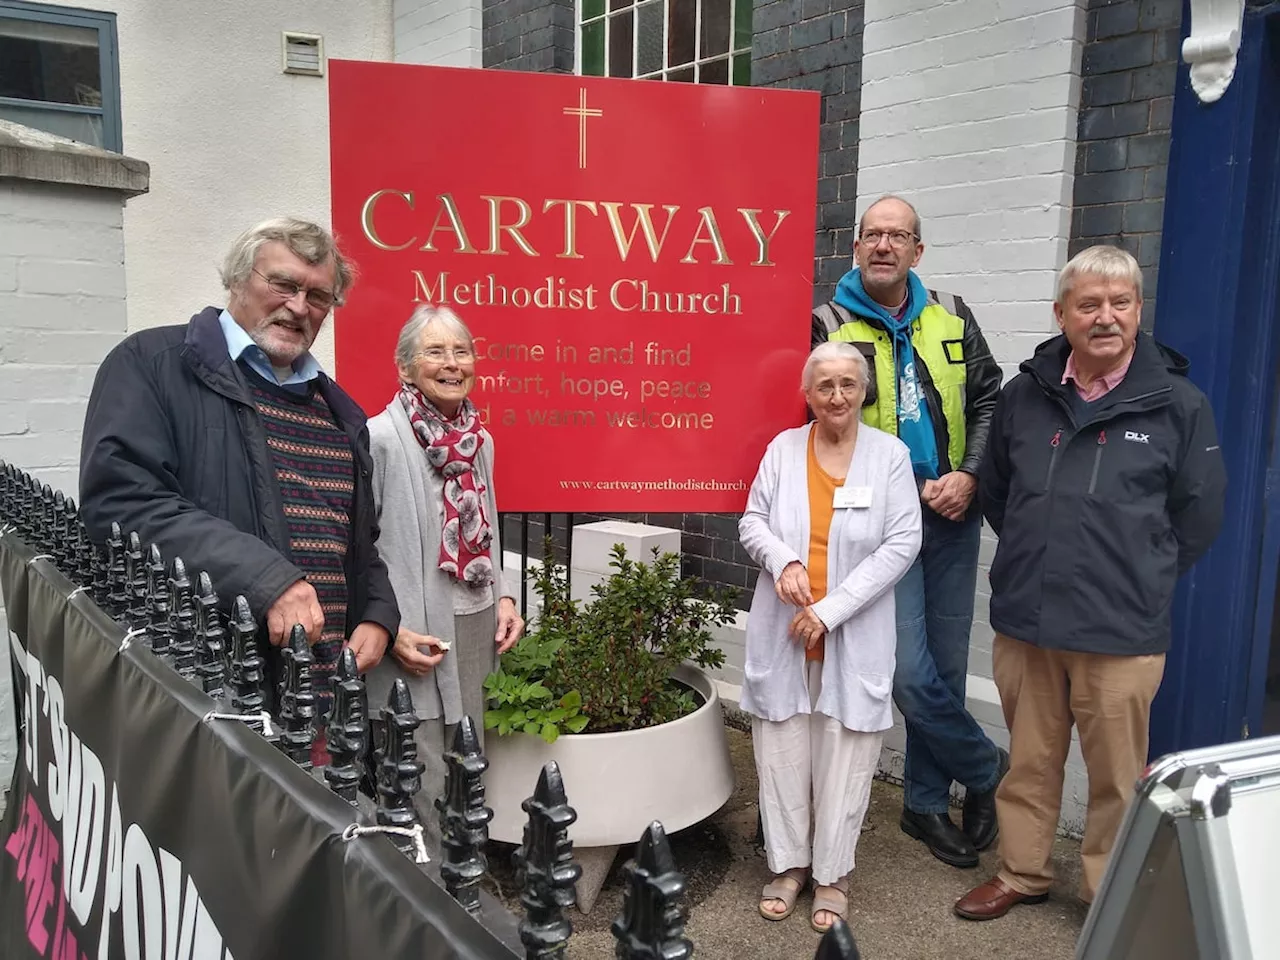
(834, 350)
(410, 339)
(310, 241)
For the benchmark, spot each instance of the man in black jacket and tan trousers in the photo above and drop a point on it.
(1104, 481)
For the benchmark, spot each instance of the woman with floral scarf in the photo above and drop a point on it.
(433, 485)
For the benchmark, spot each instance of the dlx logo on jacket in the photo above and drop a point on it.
(1137, 437)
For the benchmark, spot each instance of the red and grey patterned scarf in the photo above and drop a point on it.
(451, 447)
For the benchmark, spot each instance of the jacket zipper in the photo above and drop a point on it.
(1053, 459)
(1097, 459)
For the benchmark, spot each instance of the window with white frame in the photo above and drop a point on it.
(695, 41)
(59, 72)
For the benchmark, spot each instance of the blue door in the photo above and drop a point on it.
(1262, 686)
(1219, 277)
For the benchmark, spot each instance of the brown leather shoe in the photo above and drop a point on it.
(992, 900)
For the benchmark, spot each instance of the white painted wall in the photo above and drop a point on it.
(62, 307)
(230, 138)
(443, 33)
(969, 110)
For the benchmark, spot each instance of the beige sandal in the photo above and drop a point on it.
(833, 899)
(785, 888)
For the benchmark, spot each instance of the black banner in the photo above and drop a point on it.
(138, 829)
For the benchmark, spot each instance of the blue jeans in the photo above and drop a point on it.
(935, 612)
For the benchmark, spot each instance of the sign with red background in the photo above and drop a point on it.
(633, 257)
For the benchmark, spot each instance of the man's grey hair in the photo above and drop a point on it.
(834, 350)
(916, 229)
(310, 241)
(410, 339)
(1103, 262)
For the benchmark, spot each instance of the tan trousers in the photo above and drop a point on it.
(1042, 692)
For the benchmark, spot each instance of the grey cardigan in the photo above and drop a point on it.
(869, 549)
(409, 544)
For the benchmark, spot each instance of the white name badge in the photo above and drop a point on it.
(859, 498)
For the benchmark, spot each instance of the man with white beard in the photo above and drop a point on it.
(224, 443)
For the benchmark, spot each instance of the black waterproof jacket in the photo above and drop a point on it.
(174, 448)
(1098, 518)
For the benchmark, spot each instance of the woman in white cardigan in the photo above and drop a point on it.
(433, 486)
(833, 519)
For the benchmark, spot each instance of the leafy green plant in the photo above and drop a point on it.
(520, 702)
(607, 665)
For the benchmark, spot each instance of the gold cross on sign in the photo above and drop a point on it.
(581, 112)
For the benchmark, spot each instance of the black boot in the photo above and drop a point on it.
(944, 839)
(980, 823)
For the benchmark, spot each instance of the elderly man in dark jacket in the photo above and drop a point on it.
(223, 442)
(1104, 480)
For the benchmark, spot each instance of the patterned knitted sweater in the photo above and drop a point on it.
(315, 472)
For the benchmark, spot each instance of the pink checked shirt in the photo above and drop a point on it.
(1101, 386)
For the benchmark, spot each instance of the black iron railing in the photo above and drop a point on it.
(215, 646)
(528, 532)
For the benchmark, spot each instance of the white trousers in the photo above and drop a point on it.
(815, 785)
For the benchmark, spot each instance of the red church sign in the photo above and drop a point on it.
(633, 257)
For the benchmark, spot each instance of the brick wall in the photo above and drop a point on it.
(536, 35)
(1129, 71)
(798, 44)
(444, 33)
(62, 307)
(817, 45)
(709, 543)
(970, 112)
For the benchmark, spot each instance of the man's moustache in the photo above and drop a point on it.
(1110, 330)
(292, 321)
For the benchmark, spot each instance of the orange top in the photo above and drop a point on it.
(822, 493)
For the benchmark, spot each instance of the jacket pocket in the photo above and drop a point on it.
(1126, 562)
(876, 688)
(868, 351)
(951, 378)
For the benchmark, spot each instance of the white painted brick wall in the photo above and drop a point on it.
(445, 33)
(62, 307)
(969, 110)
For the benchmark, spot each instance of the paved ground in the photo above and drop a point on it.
(900, 897)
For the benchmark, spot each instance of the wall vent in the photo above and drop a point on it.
(303, 53)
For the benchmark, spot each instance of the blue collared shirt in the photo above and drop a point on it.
(240, 344)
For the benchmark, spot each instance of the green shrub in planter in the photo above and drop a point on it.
(607, 665)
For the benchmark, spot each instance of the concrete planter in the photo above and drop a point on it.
(679, 773)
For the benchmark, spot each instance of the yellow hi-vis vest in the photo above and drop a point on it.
(938, 340)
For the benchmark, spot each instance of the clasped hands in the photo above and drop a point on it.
(950, 495)
(792, 587)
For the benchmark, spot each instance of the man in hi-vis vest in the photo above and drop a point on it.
(934, 384)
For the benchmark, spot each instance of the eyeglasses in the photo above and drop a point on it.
(898, 239)
(282, 287)
(440, 354)
(827, 388)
